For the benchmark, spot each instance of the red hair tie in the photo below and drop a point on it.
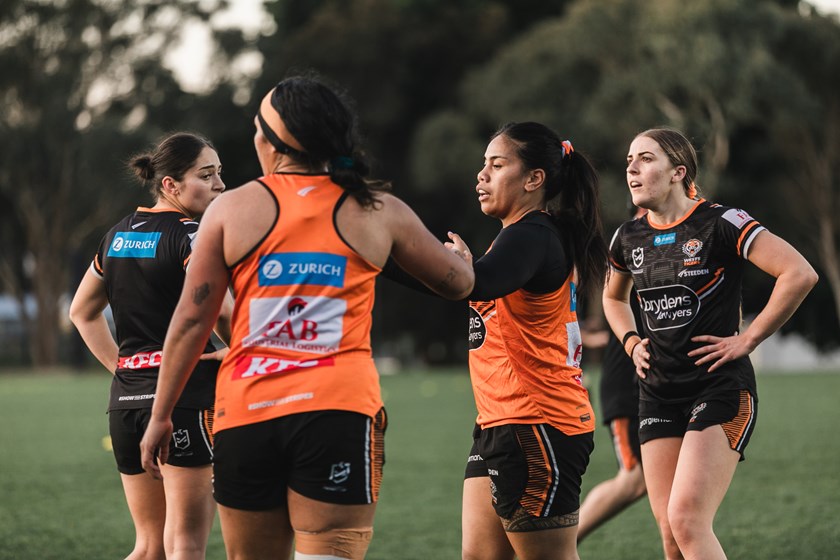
(692, 190)
(567, 147)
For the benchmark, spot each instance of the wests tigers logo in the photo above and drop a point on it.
(691, 248)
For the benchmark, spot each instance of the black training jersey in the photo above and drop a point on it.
(142, 261)
(619, 385)
(688, 279)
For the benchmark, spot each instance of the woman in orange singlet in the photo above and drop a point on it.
(299, 416)
(534, 429)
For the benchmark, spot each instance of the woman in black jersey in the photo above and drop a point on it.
(139, 270)
(533, 433)
(697, 387)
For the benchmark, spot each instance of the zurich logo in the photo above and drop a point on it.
(272, 269)
(664, 239)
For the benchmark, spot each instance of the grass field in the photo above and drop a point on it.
(60, 495)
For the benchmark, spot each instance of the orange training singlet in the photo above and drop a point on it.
(301, 324)
(525, 352)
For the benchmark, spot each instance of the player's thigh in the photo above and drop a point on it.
(251, 535)
(554, 544)
(190, 507)
(660, 457)
(483, 537)
(703, 474)
(147, 504)
(314, 516)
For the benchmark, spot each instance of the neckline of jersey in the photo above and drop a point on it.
(678, 221)
(158, 210)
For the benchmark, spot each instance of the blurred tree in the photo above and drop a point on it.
(81, 88)
(806, 136)
(722, 71)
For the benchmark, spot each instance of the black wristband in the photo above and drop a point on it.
(627, 337)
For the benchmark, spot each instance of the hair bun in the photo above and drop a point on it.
(143, 167)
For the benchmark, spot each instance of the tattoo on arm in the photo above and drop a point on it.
(200, 293)
(450, 276)
(523, 522)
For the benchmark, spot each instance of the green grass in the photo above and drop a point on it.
(60, 495)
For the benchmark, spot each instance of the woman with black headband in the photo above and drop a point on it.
(299, 417)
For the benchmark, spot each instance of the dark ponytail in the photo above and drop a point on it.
(322, 121)
(571, 195)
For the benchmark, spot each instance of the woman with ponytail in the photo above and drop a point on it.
(697, 389)
(300, 423)
(534, 431)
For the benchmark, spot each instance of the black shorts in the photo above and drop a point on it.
(332, 456)
(191, 445)
(533, 466)
(735, 411)
(625, 437)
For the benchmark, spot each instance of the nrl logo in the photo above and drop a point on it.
(340, 472)
(182, 439)
(638, 256)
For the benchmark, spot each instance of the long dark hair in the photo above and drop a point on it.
(571, 196)
(173, 156)
(321, 120)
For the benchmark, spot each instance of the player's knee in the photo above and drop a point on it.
(334, 544)
(685, 525)
(637, 485)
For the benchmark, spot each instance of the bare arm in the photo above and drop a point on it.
(86, 312)
(415, 249)
(616, 301)
(794, 279)
(204, 291)
(222, 328)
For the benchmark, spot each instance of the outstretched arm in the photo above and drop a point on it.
(86, 312)
(794, 279)
(447, 273)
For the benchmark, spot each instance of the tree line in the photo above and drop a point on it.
(83, 86)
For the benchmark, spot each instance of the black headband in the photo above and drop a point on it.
(275, 141)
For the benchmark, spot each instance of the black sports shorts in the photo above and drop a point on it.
(533, 466)
(332, 456)
(736, 411)
(625, 437)
(191, 445)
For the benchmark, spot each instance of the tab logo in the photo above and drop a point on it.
(134, 244)
(665, 239)
(293, 269)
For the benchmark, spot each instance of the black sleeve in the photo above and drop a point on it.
(518, 255)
